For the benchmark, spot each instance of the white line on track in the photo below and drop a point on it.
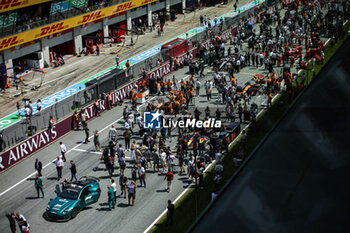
(73, 149)
(189, 186)
(56, 79)
(88, 151)
(94, 152)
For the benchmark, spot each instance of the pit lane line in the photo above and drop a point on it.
(74, 148)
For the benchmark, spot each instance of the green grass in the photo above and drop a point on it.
(190, 206)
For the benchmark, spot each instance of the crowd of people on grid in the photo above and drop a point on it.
(264, 49)
(297, 39)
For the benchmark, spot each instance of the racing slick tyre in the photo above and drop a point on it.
(74, 213)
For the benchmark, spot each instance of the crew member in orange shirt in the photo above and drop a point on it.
(269, 100)
(169, 84)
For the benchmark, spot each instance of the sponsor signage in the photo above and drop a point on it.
(49, 101)
(33, 144)
(52, 28)
(168, 68)
(39, 141)
(49, 29)
(9, 5)
(10, 42)
(8, 19)
(66, 5)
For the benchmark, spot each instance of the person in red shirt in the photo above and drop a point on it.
(169, 177)
(51, 124)
(127, 64)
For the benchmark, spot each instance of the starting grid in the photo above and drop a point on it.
(61, 95)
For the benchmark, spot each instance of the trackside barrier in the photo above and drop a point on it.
(24, 145)
(46, 137)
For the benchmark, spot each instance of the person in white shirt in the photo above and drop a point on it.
(171, 162)
(38, 106)
(28, 113)
(114, 187)
(22, 222)
(163, 159)
(63, 151)
(198, 87)
(139, 121)
(112, 133)
(238, 65)
(210, 86)
(142, 175)
(127, 126)
(83, 119)
(131, 119)
(26, 103)
(59, 167)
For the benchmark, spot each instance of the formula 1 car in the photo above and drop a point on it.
(73, 198)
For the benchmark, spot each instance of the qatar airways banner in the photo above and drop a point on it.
(117, 96)
(44, 138)
(39, 141)
(33, 144)
(168, 68)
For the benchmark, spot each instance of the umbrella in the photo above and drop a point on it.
(222, 64)
(203, 139)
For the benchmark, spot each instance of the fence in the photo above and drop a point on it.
(19, 132)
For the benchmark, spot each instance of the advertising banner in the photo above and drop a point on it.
(59, 26)
(33, 144)
(9, 5)
(39, 141)
(8, 19)
(66, 5)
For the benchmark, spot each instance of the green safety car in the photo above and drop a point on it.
(73, 198)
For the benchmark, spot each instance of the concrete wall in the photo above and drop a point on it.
(22, 51)
(91, 29)
(60, 39)
(116, 20)
(174, 2)
(141, 11)
(158, 6)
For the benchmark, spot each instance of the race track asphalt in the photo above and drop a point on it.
(296, 180)
(150, 201)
